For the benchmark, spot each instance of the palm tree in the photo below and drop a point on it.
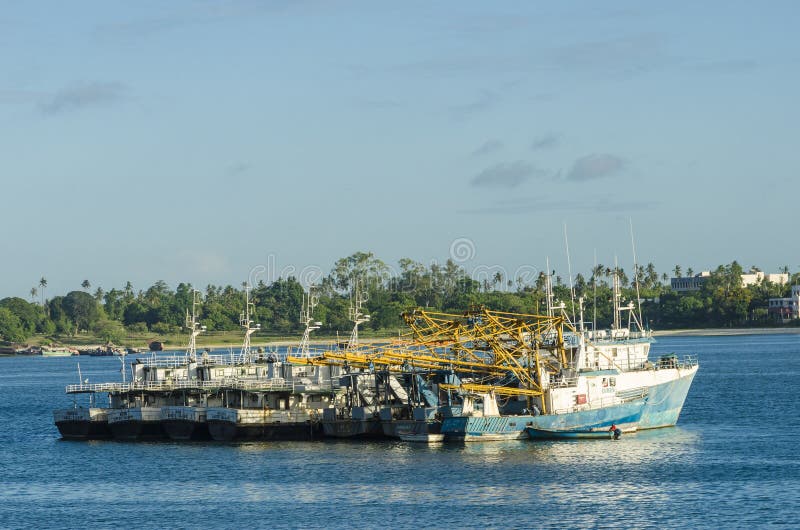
(33, 294)
(498, 278)
(43, 286)
(85, 284)
(689, 272)
(677, 271)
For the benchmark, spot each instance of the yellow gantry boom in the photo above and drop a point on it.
(486, 389)
(512, 340)
(490, 345)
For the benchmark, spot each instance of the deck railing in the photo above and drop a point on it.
(616, 399)
(226, 383)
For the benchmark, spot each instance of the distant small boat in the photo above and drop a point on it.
(602, 433)
(58, 351)
(156, 346)
(425, 437)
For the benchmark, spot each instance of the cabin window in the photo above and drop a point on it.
(612, 381)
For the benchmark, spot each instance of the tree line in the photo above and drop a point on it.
(721, 301)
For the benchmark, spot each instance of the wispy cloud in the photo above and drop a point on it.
(132, 29)
(732, 66)
(238, 168)
(525, 205)
(508, 175)
(83, 95)
(483, 102)
(376, 103)
(175, 17)
(591, 167)
(547, 141)
(489, 146)
(626, 55)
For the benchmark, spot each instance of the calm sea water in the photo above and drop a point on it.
(732, 461)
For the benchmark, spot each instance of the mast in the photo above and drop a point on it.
(569, 271)
(357, 302)
(548, 289)
(594, 296)
(638, 317)
(245, 321)
(616, 296)
(310, 301)
(194, 327)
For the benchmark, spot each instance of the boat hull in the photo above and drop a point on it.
(57, 353)
(397, 428)
(665, 400)
(428, 438)
(185, 430)
(593, 423)
(485, 428)
(184, 423)
(82, 424)
(352, 428)
(227, 424)
(225, 431)
(136, 424)
(600, 434)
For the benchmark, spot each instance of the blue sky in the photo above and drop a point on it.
(197, 141)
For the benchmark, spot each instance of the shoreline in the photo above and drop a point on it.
(724, 332)
(701, 332)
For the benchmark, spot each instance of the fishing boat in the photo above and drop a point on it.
(556, 378)
(187, 421)
(82, 423)
(276, 400)
(359, 414)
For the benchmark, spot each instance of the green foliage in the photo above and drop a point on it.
(138, 327)
(81, 309)
(164, 328)
(722, 301)
(109, 330)
(729, 299)
(11, 328)
(30, 316)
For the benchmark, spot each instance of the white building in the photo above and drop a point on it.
(753, 277)
(693, 283)
(786, 308)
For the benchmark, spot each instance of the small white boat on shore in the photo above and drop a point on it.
(425, 437)
(58, 351)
